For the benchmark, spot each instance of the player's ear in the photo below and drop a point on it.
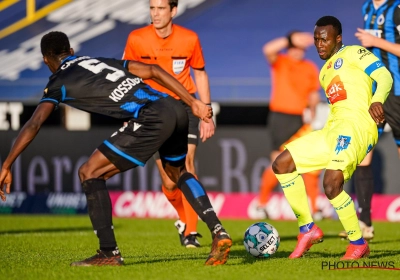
(174, 11)
(339, 38)
(45, 60)
(71, 51)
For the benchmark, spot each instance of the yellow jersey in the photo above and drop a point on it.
(348, 84)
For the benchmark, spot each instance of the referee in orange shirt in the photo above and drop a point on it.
(176, 50)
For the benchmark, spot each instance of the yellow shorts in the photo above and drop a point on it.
(340, 145)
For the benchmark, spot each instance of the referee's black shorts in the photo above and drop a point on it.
(281, 127)
(391, 108)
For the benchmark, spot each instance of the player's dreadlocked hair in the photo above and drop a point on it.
(330, 20)
(54, 44)
(173, 3)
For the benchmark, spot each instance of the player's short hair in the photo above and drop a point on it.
(54, 43)
(330, 20)
(173, 3)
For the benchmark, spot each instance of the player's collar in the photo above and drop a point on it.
(341, 48)
(68, 58)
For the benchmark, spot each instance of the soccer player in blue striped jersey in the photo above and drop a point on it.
(381, 36)
(157, 122)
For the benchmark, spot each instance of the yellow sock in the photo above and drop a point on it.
(346, 211)
(295, 193)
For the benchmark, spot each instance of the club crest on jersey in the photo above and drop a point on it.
(342, 143)
(178, 65)
(381, 19)
(338, 63)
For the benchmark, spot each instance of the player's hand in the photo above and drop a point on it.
(366, 39)
(207, 130)
(376, 112)
(302, 40)
(202, 111)
(5, 182)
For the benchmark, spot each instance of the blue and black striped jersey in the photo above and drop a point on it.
(384, 23)
(99, 85)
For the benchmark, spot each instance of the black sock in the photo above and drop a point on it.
(100, 212)
(198, 199)
(364, 185)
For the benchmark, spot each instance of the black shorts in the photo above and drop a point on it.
(193, 135)
(161, 126)
(282, 127)
(392, 116)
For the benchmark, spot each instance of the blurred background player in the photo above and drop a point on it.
(347, 137)
(294, 87)
(176, 50)
(381, 36)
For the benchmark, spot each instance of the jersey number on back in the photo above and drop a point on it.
(95, 66)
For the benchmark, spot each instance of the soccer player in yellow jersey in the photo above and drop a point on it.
(356, 84)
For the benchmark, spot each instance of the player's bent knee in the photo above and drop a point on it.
(82, 172)
(283, 163)
(173, 173)
(333, 183)
(85, 172)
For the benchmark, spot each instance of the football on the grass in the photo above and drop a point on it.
(261, 240)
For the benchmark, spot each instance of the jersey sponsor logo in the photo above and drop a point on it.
(374, 32)
(338, 63)
(178, 65)
(364, 55)
(360, 51)
(343, 143)
(335, 90)
(136, 126)
(119, 92)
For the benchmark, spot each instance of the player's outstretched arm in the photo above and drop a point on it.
(156, 73)
(24, 138)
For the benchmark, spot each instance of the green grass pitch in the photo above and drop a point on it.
(42, 247)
